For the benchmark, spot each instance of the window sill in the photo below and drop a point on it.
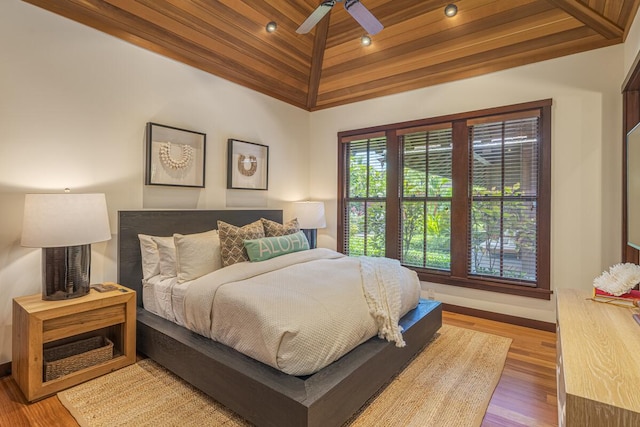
(485, 285)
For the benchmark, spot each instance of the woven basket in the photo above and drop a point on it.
(67, 358)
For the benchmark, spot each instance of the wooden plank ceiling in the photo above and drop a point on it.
(418, 47)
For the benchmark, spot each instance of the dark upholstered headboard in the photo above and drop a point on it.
(165, 223)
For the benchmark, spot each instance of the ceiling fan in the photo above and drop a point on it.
(356, 9)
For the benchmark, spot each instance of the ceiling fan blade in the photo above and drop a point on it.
(365, 18)
(315, 17)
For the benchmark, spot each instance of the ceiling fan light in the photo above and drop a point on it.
(271, 27)
(451, 10)
(365, 40)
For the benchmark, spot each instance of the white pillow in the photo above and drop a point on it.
(167, 252)
(197, 254)
(150, 256)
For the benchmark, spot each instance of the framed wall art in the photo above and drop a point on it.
(174, 156)
(247, 165)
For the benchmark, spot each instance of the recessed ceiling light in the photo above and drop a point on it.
(451, 10)
(365, 40)
(271, 27)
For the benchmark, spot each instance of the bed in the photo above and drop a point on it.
(260, 393)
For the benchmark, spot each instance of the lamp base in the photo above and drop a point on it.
(311, 235)
(65, 272)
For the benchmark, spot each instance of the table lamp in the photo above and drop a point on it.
(310, 217)
(64, 226)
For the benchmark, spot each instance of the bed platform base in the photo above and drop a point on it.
(255, 391)
(268, 397)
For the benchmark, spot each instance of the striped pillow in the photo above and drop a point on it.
(273, 229)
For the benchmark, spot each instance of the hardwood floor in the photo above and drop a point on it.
(525, 396)
(526, 393)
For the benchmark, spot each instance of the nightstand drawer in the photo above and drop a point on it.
(75, 324)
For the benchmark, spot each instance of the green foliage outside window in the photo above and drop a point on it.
(426, 243)
(507, 226)
(503, 222)
(518, 223)
(367, 219)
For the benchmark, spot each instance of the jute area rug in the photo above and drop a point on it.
(449, 383)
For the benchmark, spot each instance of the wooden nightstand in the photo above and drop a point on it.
(39, 324)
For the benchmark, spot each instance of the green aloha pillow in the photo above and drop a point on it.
(271, 247)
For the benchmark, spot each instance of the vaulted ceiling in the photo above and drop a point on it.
(418, 47)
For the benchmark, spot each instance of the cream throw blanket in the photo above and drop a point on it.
(300, 312)
(382, 292)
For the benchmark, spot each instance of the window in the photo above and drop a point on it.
(366, 205)
(426, 196)
(463, 199)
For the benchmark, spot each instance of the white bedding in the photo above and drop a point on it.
(297, 312)
(165, 297)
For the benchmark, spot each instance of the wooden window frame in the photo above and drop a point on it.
(458, 276)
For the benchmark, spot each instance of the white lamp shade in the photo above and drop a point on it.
(56, 220)
(310, 214)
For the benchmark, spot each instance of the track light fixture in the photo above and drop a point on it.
(271, 27)
(451, 10)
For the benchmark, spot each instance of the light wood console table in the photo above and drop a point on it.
(598, 362)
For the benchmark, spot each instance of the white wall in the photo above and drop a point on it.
(586, 161)
(73, 108)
